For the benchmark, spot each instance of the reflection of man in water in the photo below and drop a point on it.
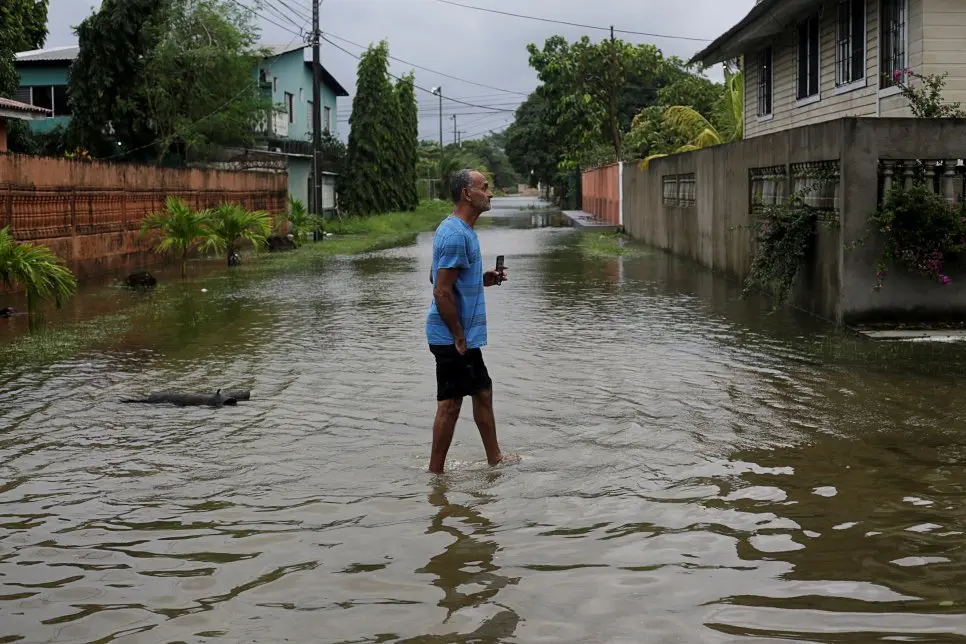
(456, 324)
(465, 570)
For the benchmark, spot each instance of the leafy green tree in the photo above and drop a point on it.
(408, 141)
(181, 227)
(534, 143)
(23, 26)
(109, 79)
(368, 188)
(699, 131)
(160, 78)
(36, 269)
(196, 92)
(490, 150)
(230, 225)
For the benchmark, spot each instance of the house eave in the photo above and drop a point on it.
(765, 21)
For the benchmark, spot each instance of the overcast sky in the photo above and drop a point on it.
(479, 47)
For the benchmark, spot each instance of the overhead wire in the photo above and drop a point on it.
(433, 71)
(423, 89)
(573, 24)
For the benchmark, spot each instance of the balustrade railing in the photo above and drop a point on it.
(946, 177)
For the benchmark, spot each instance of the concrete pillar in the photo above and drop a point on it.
(3, 135)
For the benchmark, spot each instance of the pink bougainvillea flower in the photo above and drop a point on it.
(945, 279)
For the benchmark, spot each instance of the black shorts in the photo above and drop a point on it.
(458, 375)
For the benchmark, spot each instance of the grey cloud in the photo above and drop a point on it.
(482, 47)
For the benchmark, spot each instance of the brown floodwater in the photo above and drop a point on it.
(691, 469)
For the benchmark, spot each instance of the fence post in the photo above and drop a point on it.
(620, 194)
(73, 212)
(8, 211)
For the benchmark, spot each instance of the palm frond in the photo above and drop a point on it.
(36, 269)
(686, 119)
(646, 161)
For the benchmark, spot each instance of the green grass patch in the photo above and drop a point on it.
(609, 244)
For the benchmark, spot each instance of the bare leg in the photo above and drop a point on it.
(447, 413)
(485, 422)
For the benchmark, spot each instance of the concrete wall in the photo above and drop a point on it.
(89, 213)
(715, 226)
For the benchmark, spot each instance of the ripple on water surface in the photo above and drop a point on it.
(691, 470)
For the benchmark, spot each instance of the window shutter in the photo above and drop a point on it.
(813, 58)
(858, 40)
(803, 60)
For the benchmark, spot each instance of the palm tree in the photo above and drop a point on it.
(302, 222)
(230, 225)
(36, 269)
(728, 113)
(181, 228)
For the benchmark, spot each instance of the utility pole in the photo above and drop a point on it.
(454, 129)
(316, 111)
(439, 162)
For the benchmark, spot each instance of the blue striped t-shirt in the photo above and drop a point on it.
(455, 245)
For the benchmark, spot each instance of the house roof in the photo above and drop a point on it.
(329, 80)
(766, 20)
(51, 54)
(17, 110)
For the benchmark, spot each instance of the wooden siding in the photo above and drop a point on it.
(834, 102)
(944, 44)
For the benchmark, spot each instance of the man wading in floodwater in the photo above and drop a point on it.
(456, 324)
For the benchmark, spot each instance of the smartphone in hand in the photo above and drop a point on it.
(499, 269)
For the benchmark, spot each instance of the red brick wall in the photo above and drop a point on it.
(90, 213)
(601, 193)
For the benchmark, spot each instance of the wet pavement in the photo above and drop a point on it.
(692, 469)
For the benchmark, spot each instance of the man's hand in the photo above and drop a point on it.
(494, 278)
(461, 345)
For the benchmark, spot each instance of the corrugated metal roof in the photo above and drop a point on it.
(17, 106)
(48, 55)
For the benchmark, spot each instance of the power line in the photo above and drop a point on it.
(267, 19)
(276, 12)
(433, 71)
(573, 24)
(296, 12)
(422, 89)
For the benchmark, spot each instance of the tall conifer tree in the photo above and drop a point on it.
(408, 141)
(369, 185)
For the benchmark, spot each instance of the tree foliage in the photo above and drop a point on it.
(201, 70)
(23, 26)
(600, 102)
(107, 79)
(685, 128)
(380, 165)
(155, 78)
(408, 136)
(35, 268)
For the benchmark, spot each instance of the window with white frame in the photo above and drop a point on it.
(290, 106)
(850, 42)
(808, 57)
(895, 15)
(764, 81)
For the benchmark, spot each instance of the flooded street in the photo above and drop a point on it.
(692, 469)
